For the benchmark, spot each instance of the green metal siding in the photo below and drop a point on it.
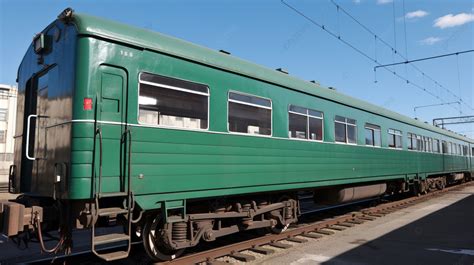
(181, 164)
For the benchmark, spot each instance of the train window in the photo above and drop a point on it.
(419, 142)
(172, 102)
(372, 135)
(464, 150)
(436, 146)
(305, 123)
(412, 142)
(450, 148)
(249, 114)
(445, 147)
(345, 130)
(472, 151)
(394, 138)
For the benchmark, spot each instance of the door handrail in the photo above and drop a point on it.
(28, 123)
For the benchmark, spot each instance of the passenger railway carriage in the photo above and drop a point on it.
(179, 143)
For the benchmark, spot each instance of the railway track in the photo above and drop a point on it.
(328, 221)
(241, 251)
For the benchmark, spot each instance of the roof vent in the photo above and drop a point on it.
(225, 52)
(332, 88)
(315, 82)
(282, 70)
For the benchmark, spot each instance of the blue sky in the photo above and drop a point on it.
(269, 33)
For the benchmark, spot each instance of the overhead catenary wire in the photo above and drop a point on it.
(425, 58)
(394, 49)
(340, 38)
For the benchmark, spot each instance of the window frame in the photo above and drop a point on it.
(308, 116)
(252, 105)
(373, 135)
(176, 89)
(346, 125)
(395, 134)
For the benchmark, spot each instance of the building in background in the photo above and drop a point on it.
(7, 130)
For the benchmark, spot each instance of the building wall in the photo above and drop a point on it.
(8, 101)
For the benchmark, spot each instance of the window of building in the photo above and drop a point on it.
(345, 130)
(394, 138)
(3, 114)
(249, 114)
(3, 136)
(166, 101)
(436, 146)
(372, 135)
(305, 123)
(412, 142)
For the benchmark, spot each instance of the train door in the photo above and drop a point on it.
(113, 125)
(36, 177)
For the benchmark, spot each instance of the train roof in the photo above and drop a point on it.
(146, 39)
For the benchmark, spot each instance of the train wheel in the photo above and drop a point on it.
(153, 243)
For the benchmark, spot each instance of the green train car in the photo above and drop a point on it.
(179, 143)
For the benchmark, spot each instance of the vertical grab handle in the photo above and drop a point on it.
(28, 124)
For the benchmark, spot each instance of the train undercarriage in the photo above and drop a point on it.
(167, 233)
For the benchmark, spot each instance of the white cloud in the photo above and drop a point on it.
(356, 1)
(430, 41)
(383, 2)
(416, 14)
(451, 20)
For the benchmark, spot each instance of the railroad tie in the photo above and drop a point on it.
(324, 232)
(280, 245)
(337, 228)
(242, 257)
(262, 250)
(356, 221)
(311, 235)
(367, 217)
(346, 224)
(216, 262)
(296, 240)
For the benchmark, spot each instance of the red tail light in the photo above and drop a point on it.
(87, 103)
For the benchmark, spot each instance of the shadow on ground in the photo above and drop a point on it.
(444, 237)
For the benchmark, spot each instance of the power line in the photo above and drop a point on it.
(394, 50)
(424, 59)
(312, 21)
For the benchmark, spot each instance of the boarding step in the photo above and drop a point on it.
(112, 211)
(113, 255)
(112, 194)
(110, 238)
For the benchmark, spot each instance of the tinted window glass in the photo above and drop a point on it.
(160, 104)
(305, 123)
(249, 114)
(298, 126)
(340, 129)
